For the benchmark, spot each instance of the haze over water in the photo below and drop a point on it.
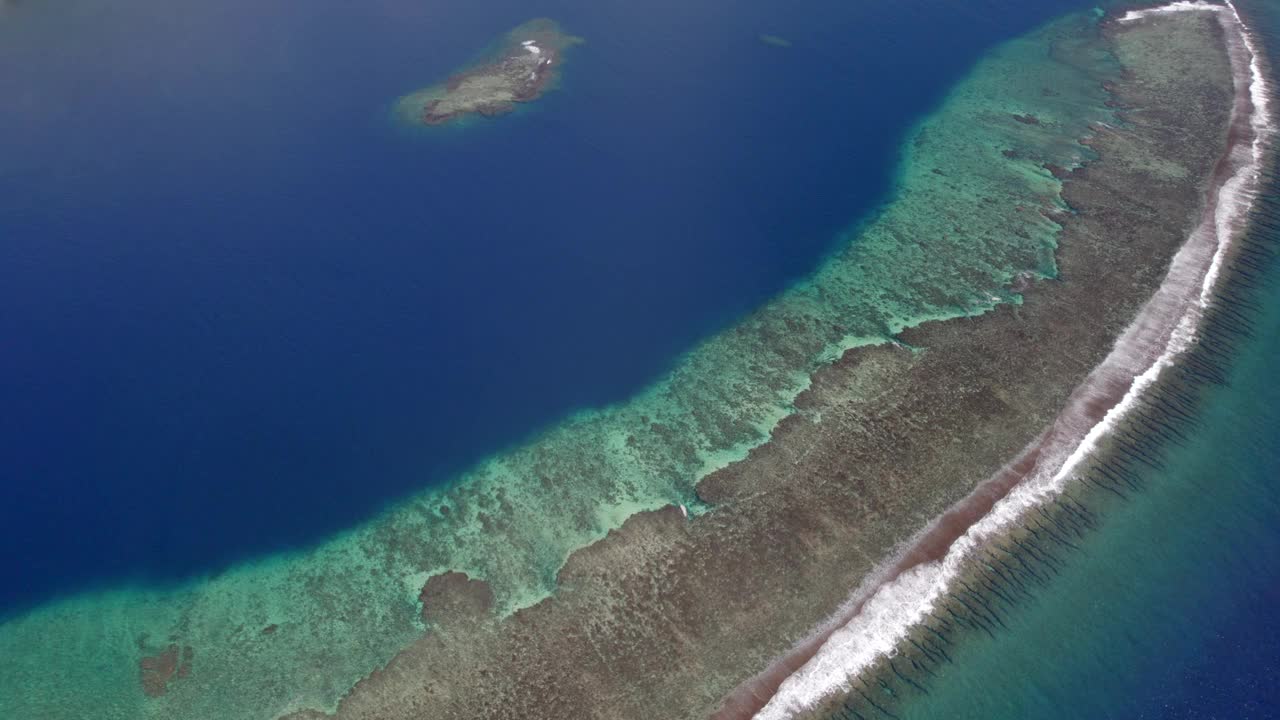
(244, 312)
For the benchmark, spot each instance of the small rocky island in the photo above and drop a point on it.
(523, 66)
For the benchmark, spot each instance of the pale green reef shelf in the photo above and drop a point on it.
(964, 223)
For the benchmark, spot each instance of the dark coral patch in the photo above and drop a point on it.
(158, 669)
(453, 596)
(1058, 171)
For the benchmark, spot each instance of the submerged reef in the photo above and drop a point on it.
(524, 65)
(643, 560)
(157, 670)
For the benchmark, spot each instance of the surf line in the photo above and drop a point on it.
(883, 609)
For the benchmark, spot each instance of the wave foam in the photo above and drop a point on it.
(1164, 328)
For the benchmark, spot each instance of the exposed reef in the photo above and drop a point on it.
(525, 64)
(644, 559)
(774, 40)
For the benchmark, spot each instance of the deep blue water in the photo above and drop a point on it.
(240, 311)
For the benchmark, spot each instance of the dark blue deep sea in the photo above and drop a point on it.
(241, 310)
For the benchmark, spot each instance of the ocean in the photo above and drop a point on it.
(244, 311)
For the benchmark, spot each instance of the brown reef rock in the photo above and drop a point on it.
(453, 596)
(672, 618)
(158, 669)
(525, 65)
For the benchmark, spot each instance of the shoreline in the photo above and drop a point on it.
(1158, 336)
(521, 69)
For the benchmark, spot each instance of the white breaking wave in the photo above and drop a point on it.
(1173, 7)
(1164, 328)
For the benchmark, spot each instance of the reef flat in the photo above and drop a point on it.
(524, 65)
(643, 559)
(660, 617)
